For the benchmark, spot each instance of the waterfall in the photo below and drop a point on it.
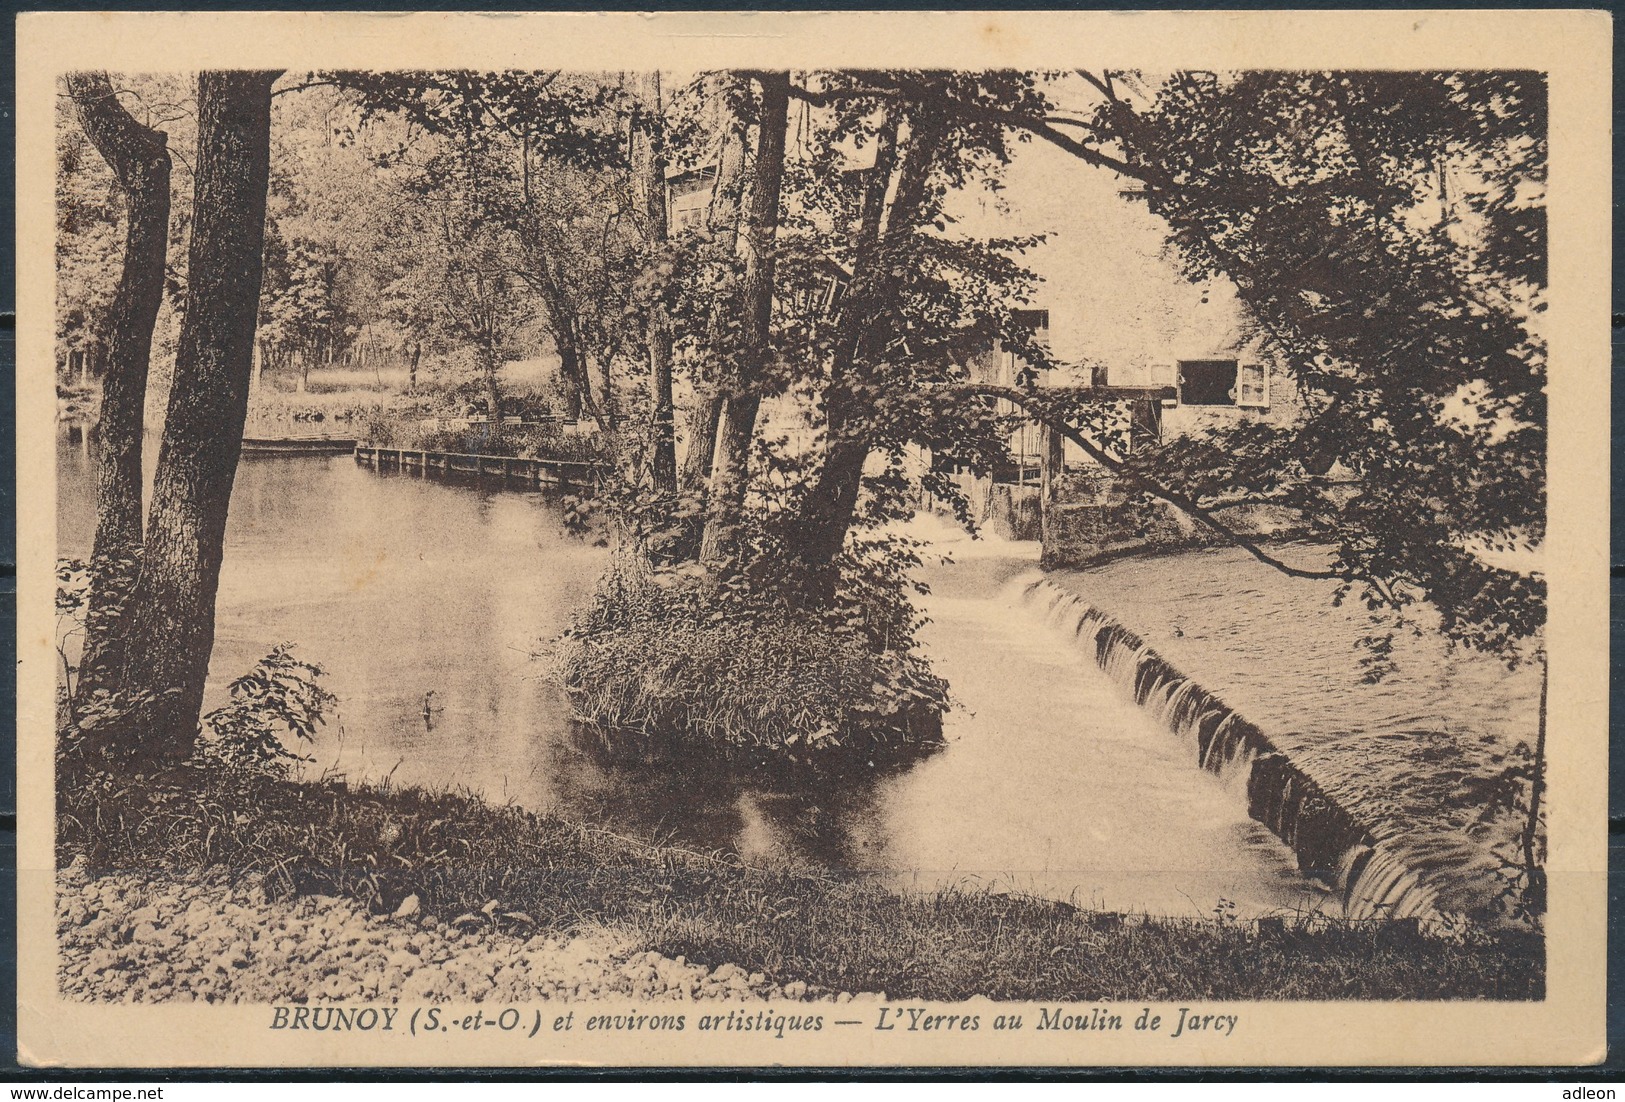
(1378, 877)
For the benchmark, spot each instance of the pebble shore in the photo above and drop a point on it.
(216, 938)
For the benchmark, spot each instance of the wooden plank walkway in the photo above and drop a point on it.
(508, 470)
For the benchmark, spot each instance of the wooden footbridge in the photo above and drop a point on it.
(506, 470)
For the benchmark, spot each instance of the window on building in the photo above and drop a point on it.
(1208, 382)
(1163, 374)
(1031, 319)
(1253, 385)
(1021, 373)
(688, 197)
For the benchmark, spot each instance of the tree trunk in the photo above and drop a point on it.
(722, 219)
(649, 165)
(171, 633)
(493, 394)
(828, 510)
(731, 466)
(722, 214)
(412, 368)
(1054, 466)
(572, 368)
(139, 159)
(663, 452)
(701, 433)
(1534, 886)
(607, 410)
(561, 325)
(569, 383)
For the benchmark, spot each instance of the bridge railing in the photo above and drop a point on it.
(511, 470)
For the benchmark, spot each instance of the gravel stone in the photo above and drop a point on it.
(215, 937)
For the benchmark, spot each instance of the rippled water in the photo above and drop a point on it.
(1409, 752)
(1050, 782)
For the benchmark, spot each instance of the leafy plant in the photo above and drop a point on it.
(72, 594)
(1521, 860)
(281, 696)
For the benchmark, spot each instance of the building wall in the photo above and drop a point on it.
(1123, 311)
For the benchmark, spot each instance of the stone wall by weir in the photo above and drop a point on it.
(1094, 518)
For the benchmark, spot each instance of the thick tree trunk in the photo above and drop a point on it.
(171, 633)
(731, 466)
(1054, 466)
(574, 382)
(730, 473)
(139, 159)
(572, 368)
(722, 215)
(569, 382)
(412, 368)
(701, 433)
(830, 507)
(649, 164)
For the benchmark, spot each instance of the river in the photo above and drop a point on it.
(1050, 783)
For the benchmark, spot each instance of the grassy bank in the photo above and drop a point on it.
(458, 855)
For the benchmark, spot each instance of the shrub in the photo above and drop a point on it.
(552, 442)
(281, 697)
(761, 648)
(272, 709)
(671, 656)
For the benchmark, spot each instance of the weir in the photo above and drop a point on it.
(1378, 877)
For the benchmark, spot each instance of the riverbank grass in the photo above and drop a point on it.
(468, 862)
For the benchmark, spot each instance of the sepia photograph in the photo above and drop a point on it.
(691, 555)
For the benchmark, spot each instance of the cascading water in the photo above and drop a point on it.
(1377, 877)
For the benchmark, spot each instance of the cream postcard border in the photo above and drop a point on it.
(1573, 47)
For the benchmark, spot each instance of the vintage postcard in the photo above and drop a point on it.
(834, 539)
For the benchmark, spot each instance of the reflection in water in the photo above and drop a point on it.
(425, 602)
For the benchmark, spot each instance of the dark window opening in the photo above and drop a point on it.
(1207, 382)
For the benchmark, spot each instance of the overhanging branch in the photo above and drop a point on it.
(1029, 402)
(966, 111)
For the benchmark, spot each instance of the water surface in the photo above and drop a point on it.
(402, 586)
(1410, 751)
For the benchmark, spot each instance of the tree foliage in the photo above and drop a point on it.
(1386, 232)
(521, 187)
